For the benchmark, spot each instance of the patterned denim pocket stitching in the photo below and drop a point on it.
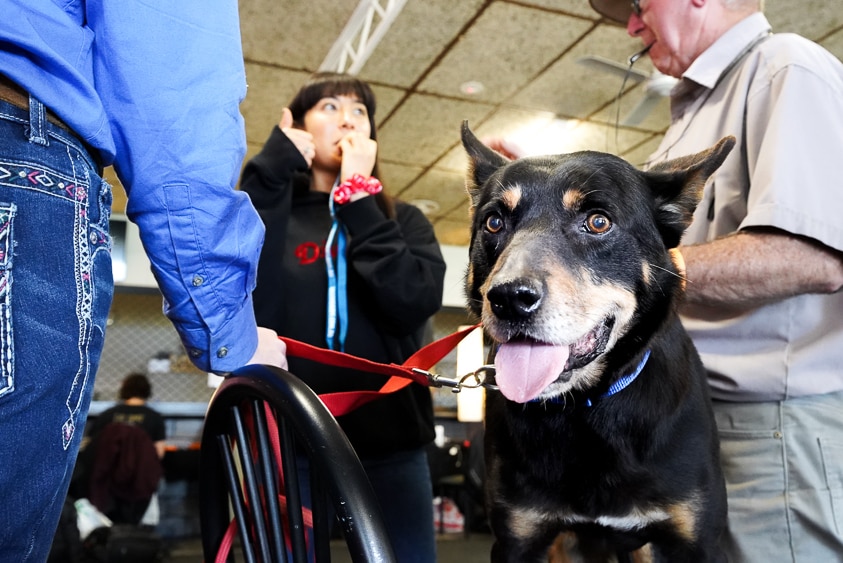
(7, 363)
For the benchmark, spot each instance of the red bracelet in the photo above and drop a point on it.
(356, 184)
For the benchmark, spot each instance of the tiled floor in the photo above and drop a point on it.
(451, 548)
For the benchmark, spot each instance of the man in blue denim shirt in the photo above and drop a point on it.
(152, 88)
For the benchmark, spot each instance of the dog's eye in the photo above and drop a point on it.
(598, 224)
(494, 223)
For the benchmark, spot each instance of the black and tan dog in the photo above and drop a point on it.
(602, 429)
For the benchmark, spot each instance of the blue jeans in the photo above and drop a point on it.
(405, 492)
(55, 293)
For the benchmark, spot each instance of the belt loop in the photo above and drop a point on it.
(37, 130)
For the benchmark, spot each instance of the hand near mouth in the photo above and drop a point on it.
(358, 153)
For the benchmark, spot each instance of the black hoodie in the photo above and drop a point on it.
(395, 281)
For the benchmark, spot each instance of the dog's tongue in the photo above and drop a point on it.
(524, 369)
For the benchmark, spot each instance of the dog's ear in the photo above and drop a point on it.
(482, 160)
(678, 185)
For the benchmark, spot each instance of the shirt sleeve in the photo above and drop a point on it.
(171, 78)
(793, 141)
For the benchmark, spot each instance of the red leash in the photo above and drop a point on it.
(415, 369)
(400, 376)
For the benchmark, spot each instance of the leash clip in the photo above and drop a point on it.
(484, 376)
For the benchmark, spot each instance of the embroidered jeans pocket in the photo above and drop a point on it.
(7, 356)
(832, 453)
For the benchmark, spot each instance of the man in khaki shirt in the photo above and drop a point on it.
(764, 261)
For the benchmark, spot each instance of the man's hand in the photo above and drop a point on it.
(271, 349)
(505, 147)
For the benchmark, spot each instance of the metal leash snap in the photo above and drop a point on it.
(486, 376)
(482, 377)
(436, 380)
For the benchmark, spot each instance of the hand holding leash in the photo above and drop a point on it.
(271, 350)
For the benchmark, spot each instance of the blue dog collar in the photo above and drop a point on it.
(624, 381)
(616, 387)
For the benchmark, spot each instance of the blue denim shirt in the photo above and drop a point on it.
(155, 87)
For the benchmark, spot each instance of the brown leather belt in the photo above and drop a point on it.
(18, 97)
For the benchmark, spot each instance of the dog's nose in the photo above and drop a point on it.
(515, 300)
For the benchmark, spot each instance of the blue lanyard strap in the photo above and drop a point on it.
(337, 313)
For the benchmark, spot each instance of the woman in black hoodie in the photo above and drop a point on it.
(315, 184)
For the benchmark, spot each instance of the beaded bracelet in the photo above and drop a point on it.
(357, 183)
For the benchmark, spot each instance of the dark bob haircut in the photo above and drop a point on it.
(135, 385)
(330, 84)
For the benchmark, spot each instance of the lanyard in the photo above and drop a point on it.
(337, 314)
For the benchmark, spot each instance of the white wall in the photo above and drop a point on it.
(138, 274)
(456, 258)
(134, 271)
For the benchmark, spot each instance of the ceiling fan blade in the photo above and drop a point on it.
(618, 69)
(640, 112)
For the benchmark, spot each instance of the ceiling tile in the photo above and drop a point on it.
(269, 91)
(495, 51)
(420, 33)
(572, 89)
(812, 18)
(577, 7)
(638, 155)
(834, 43)
(396, 177)
(294, 33)
(424, 127)
(444, 187)
(387, 98)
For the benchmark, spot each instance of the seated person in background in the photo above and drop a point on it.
(120, 468)
(132, 409)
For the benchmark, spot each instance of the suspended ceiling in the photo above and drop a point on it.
(524, 53)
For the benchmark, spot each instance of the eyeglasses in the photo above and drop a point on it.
(636, 7)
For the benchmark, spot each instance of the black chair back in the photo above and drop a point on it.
(261, 424)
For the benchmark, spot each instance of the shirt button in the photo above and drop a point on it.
(194, 353)
(197, 281)
(93, 238)
(222, 352)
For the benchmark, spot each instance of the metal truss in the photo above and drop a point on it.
(361, 35)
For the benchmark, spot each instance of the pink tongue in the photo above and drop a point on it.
(524, 369)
